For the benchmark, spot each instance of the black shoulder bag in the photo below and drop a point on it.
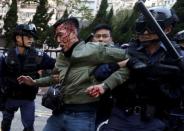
(53, 98)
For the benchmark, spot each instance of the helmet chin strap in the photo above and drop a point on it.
(23, 45)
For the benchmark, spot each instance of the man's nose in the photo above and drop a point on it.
(101, 39)
(146, 32)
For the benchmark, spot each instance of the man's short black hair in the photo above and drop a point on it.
(73, 20)
(102, 26)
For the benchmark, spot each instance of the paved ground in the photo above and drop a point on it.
(41, 116)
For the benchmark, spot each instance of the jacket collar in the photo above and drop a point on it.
(69, 52)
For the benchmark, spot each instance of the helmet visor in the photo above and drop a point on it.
(141, 27)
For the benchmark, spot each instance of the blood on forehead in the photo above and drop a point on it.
(68, 26)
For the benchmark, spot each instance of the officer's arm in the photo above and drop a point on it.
(103, 71)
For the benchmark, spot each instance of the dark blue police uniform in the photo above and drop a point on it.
(22, 96)
(144, 101)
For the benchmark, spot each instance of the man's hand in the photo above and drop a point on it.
(26, 80)
(95, 90)
(123, 63)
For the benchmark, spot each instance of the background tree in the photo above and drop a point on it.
(76, 7)
(123, 25)
(110, 16)
(65, 14)
(10, 21)
(25, 1)
(179, 8)
(102, 16)
(41, 19)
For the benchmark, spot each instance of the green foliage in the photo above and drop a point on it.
(76, 7)
(123, 24)
(10, 21)
(50, 39)
(41, 19)
(110, 16)
(25, 1)
(179, 8)
(65, 15)
(102, 16)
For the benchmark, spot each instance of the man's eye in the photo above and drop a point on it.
(105, 36)
(97, 36)
(59, 35)
(102, 35)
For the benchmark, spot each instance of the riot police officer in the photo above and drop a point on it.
(22, 60)
(179, 37)
(144, 101)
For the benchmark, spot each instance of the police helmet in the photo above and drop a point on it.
(26, 30)
(163, 15)
(179, 36)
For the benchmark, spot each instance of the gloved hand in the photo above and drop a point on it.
(134, 64)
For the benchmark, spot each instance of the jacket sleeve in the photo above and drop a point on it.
(112, 54)
(48, 80)
(117, 78)
(45, 81)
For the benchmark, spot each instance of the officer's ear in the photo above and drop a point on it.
(168, 29)
(18, 38)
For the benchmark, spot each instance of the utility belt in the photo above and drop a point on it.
(146, 111)
(176, 121)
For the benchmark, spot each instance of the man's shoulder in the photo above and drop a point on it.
(9, 52)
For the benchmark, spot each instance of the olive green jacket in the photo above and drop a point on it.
(84, 58)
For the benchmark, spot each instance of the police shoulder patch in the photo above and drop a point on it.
(39, 52)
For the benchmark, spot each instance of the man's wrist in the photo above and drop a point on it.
(105, 87)
(35, 82)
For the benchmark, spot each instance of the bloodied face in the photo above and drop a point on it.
(65, 35)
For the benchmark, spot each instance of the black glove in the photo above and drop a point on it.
(134, 64)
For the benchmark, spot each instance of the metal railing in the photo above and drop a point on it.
(51, 52)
